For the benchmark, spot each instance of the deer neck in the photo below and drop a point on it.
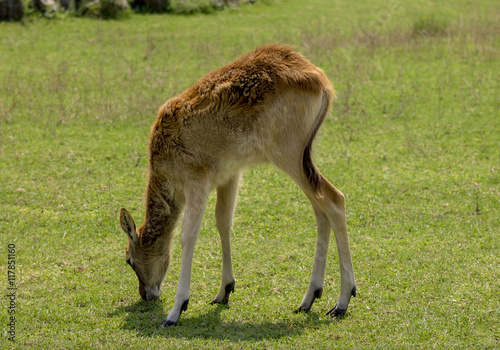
(163, 210)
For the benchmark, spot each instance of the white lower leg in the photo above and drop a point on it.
(347, 282)
(184, 286)
(334, 207)
(227, 282)
(191, 225)
(226, 198)
(315, 288)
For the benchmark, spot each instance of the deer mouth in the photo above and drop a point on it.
(151, 293)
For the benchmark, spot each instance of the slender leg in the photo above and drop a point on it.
(329, 208)
(334, 205)
(196, 200)
(318, 273)
(226, 199)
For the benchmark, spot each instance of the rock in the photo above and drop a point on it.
(106, 9)
(154, 6)
(11, 10)
(46, 6)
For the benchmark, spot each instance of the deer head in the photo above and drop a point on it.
(149, 261)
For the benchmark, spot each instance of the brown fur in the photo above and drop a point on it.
(233, 97)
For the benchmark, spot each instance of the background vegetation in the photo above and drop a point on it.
(413, 141)
(14, 10)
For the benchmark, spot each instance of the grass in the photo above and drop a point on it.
(413, 142)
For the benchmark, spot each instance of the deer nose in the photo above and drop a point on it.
(150, 296)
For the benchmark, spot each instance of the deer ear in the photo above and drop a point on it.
(128, 225)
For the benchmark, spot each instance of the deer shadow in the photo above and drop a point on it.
(145, 318)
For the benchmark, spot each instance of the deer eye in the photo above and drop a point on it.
(129, 262)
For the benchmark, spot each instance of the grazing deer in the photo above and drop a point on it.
(265, 106)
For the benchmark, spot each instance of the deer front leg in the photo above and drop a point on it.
(191, 225)
(226, 199)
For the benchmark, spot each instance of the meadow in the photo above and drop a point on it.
(413, 141)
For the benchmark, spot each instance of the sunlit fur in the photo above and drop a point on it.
(266, 106)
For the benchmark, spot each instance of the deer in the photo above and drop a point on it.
(265, 106)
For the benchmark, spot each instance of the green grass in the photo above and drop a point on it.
(413, 142)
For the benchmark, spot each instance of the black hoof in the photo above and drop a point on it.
(184, 306)
(168, 323)
(336, 312)
(229, 288)
(302, 309)
(317, 294)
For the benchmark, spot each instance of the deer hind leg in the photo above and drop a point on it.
(329, 207)
(226, 199)
(332, 202)
(196, 199)
(315, 289)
